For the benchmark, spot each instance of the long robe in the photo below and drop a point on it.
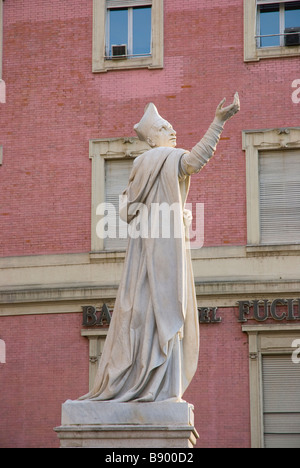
(151, 351)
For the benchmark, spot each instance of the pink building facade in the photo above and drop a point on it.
(66, 128)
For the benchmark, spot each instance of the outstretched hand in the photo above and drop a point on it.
(225, 113)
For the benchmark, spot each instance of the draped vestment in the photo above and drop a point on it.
(151, 350)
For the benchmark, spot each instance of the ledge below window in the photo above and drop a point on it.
(107, 256)
(273, 250)
(107, 64)
(273, 52)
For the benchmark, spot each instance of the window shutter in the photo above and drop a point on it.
(279, 177)
(127, 3)
(117, 174)
(281, 403)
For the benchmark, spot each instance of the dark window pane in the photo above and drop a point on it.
(292, 15)
(269, 24)
(118, 27)
(142, 30)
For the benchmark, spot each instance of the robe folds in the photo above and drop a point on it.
(151, 350)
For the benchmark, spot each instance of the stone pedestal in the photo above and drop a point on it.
(92, 424)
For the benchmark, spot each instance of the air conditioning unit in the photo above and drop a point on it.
(292, 37)
(119, 51)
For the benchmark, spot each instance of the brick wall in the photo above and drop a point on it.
(220, 388)
(55, 104)
(46, 364)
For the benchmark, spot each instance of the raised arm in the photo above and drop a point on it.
(193, 162)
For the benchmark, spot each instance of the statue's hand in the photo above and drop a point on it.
(225, 113)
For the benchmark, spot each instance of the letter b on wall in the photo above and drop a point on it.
(2, 352)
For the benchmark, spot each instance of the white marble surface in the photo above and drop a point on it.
(96, 424)
(88, 412)
(152, 347)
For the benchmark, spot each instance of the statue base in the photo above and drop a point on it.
(96, 424)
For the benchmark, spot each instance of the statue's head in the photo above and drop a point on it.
(155, 130)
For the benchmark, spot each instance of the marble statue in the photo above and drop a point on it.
(151, 351)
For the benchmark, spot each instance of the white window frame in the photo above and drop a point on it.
(101, 150)
(281, 26)
(255, 141)
(130, 35)
(264, 339)
(252, 51)
(117, 174)
(102, 63)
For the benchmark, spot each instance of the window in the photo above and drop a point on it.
(277, 24)
(112, 160)
(272, 29)
(127, 34)
(273, 188)
(129, 28)
(274, 383)
(117, 173)
(281, 410)
(279, 197)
